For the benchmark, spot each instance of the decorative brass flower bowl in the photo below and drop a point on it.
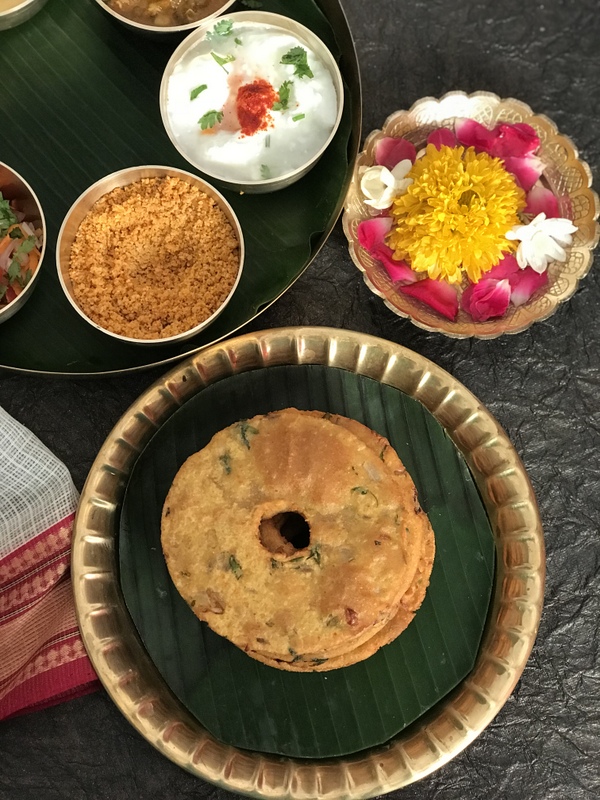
(564, 173)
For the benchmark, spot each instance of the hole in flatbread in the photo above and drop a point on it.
(284, 533)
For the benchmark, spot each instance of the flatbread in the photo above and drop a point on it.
(413, 597)
(319, 601)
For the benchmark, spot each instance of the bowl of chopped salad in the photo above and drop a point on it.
(22, 241)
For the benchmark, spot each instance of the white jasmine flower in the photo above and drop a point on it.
(542, 241)
(381, 186)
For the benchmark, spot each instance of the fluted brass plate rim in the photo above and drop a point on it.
(568, 176)
(132, 680)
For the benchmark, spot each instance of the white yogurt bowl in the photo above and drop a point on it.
(252, 100)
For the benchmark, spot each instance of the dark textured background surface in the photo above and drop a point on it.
(542, 385)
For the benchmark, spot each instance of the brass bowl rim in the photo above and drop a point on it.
(133, 681)
(277, 21)
(18, 7)
(138, 173)
(140, 26)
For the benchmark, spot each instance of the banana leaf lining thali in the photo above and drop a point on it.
(79, 101)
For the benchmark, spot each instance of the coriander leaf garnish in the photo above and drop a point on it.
(7, 216)
(298, 58)
(235, 567)
(22, 250)
(222, 60)
(237, 40)
(284, 96)
(198, 90)
(252, 3)
(225, 460)
(16, 233)
(19, 260)
(245, 429)
(265, 172)
(315, 552)
(27, 278)
(210, 119)
(13, 271)
(220, 31)
(298, 117)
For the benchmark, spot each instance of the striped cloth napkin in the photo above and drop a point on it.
(42, 658)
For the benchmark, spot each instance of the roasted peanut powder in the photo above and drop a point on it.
(153, 259)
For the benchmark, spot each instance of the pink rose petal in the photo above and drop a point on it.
(504, 141)
(514, 140)
(371, 235)
(524, 283)
(487, 298)
(541, 200)
(504, 268)
(473, 134)
(390, 151)
(442, 136)
(526, 170)
(399, 271)
(372, 232)
(439, 295)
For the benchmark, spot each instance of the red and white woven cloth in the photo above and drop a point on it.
(42, 658)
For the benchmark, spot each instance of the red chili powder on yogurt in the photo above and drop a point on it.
(253, 104)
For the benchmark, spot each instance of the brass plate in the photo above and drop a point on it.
(133, 681)
(569, 178)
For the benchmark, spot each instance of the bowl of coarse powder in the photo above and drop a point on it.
(150, 255)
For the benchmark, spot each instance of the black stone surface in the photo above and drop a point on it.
(542, 385)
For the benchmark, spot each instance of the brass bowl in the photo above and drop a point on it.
(14, 187)
(139, 27)
(20, 12)
(124, 177)
(134, 682)
(567, 176)
(305, 36)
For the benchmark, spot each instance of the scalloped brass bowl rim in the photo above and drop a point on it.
(133, 681)
(446, 109)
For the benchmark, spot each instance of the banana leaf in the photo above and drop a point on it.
(312, 715)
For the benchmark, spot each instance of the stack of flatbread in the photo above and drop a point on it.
(298, 536)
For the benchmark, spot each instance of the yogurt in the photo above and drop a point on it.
(213, 85)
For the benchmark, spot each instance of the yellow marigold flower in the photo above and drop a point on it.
(454, 217)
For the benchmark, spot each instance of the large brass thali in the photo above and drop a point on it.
(95, 85)
(133, 681)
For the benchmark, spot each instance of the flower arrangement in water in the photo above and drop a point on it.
(469, 210)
